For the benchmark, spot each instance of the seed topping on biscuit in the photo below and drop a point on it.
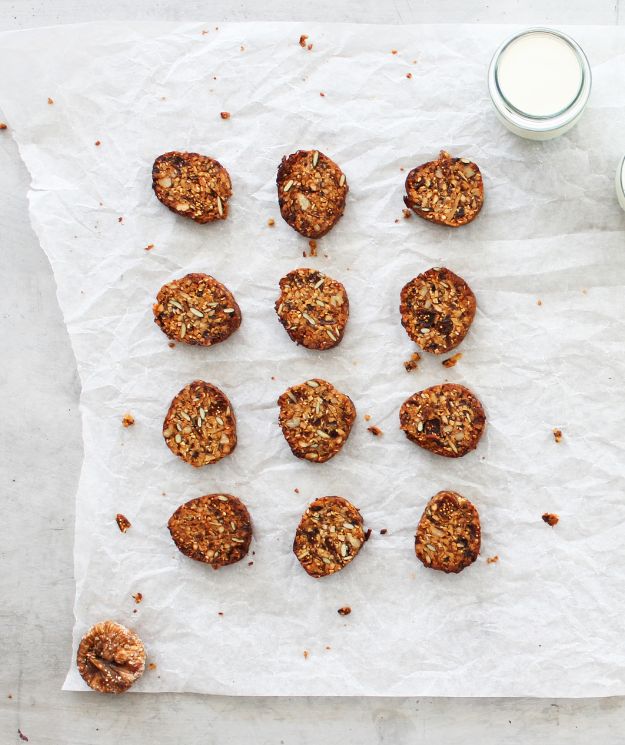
(192, 185)
(313, 308)
(437, 309)
(448, 536)
(316, 419)
(196, 309)
(446, 419)
(447, 191)
(329, 536)
(200, 426)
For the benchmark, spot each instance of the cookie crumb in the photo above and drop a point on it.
(250, 563)
(309, 47)
(22, 735)
(539, 302)
(302, 40)
(453, 360)
(312, 244)
(345, 611)
(328, 647)
(322, 94)
(393, 51)
(396, 221)
(3, 125)
(271, 222)
(551, 518)
(171, 344)
(97, 143)
(128, 420)
(220, 613)
(242, 48)
(413, 362)
(409, 75)
(152, 666)
(225, 115)
(384, 531)
(401, 168)
(557, 435)
(120, 220)
(138, 597)
(50, 101)
(123, 523)
(10, 695)
(367, 417)
(204, 32)
(306, 653)
(375, 431)
(149, 247)
(407, 214)
(296, 490)
(492, 559)
(368, 534)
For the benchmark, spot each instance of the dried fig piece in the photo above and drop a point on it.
(110, 657)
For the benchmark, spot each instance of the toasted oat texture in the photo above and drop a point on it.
(316, 419)
(196, 309)
(329, 536)
(448, 536)
(311, 192)
(110, 657)
(448, 191)
(313, 308)
(200, 426)
(192, 185)
(445, 419)
(437, 309)
(215, 529)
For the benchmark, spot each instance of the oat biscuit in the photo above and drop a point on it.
(316, 419)
(437, 309)
(311, 192)
(192, 185)
(447, 191)
(445, 419)
(200, 426)
(196, 309)
(329, 536)
(110, 657)
(448, 536)
(215, 529)
(313, 308)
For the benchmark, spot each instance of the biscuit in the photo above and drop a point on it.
(329, 536)
(311, 192)
(447, 191)
(192, 185)
(110, 657)
(313, 308)
(448, 536)
(316, 419)
(215, 529)
(437, 309)
(445, 419)
(200, 426)
(196, 309)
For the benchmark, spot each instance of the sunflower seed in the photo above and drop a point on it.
(288, 186)
(220, 206)
(197, 312)
(315, 159)
(342, 179)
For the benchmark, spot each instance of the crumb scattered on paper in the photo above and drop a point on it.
(375, 431)
(551, 518)
(271, 222)
(413, 362)
(128, 420)
(138, 597)
(123, 523)
(453, 360)
(345, 611)
(225, 115)
(492, 559)
(557, 435)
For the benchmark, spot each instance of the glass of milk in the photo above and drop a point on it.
(539, 82)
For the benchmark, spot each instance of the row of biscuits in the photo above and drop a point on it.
(216, 529)
(316, 420)
(437, 309)
(312, 189)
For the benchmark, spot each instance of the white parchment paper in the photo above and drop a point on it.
(547, 619)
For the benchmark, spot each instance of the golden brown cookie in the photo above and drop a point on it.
(196, 309)
(192, 185)
(110, 657)
(313, 308)
(448, 536)
(215, 529)
(316, 419)
(447, 191)
(437, 309)
(311, 192)
(445, 419)
(329, 536)
(200, 426)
